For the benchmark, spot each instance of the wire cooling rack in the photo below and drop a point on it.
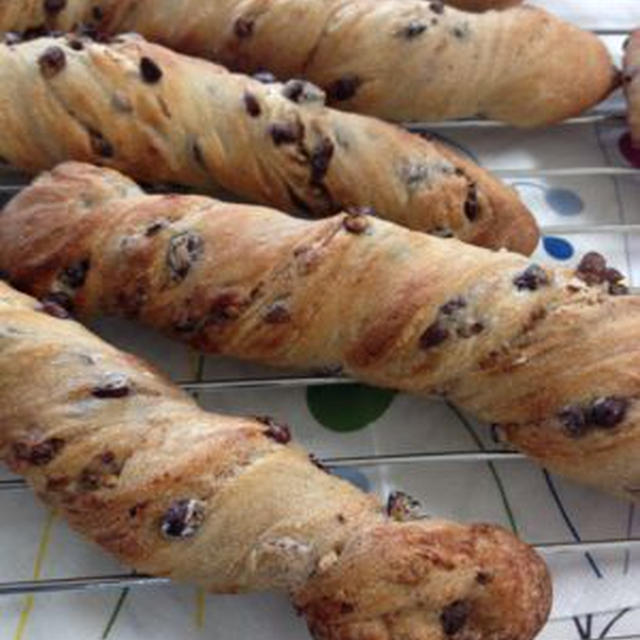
(12, 181)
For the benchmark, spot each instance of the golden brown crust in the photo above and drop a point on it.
(631, 78)
(521, 65)
(361, 611)
(137, 467)
(550, 354)
(192, 123)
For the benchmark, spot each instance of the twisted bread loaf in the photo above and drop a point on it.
(136, 466)
(409, 60)
(551, 355)
(631, 79)
(164, 117)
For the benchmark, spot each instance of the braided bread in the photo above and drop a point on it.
(550, 355)
(409, 60)
(137, 467)
(631, 79)
(164, 117)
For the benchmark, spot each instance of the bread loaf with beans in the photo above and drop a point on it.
(631, 79)
(228, 503)
(163, 117)
(407, 60)
(550, 355)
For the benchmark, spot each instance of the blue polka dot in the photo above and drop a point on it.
(558, 248)
(564, 202)
(352, 475)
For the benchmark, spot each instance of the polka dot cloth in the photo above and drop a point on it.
(558, 248)
(563, 202)
(345, 408)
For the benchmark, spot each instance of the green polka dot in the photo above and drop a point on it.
(347, 407)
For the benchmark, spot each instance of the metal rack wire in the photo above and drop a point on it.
(118, 581)
(611, 116)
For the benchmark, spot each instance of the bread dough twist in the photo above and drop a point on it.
(163, 117)
(408, 60)
(225, 502)
(551, 355)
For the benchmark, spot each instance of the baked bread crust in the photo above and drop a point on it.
(136, 466)
(408, 61)
(631, 78)
(550, 355)
(163, 117)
